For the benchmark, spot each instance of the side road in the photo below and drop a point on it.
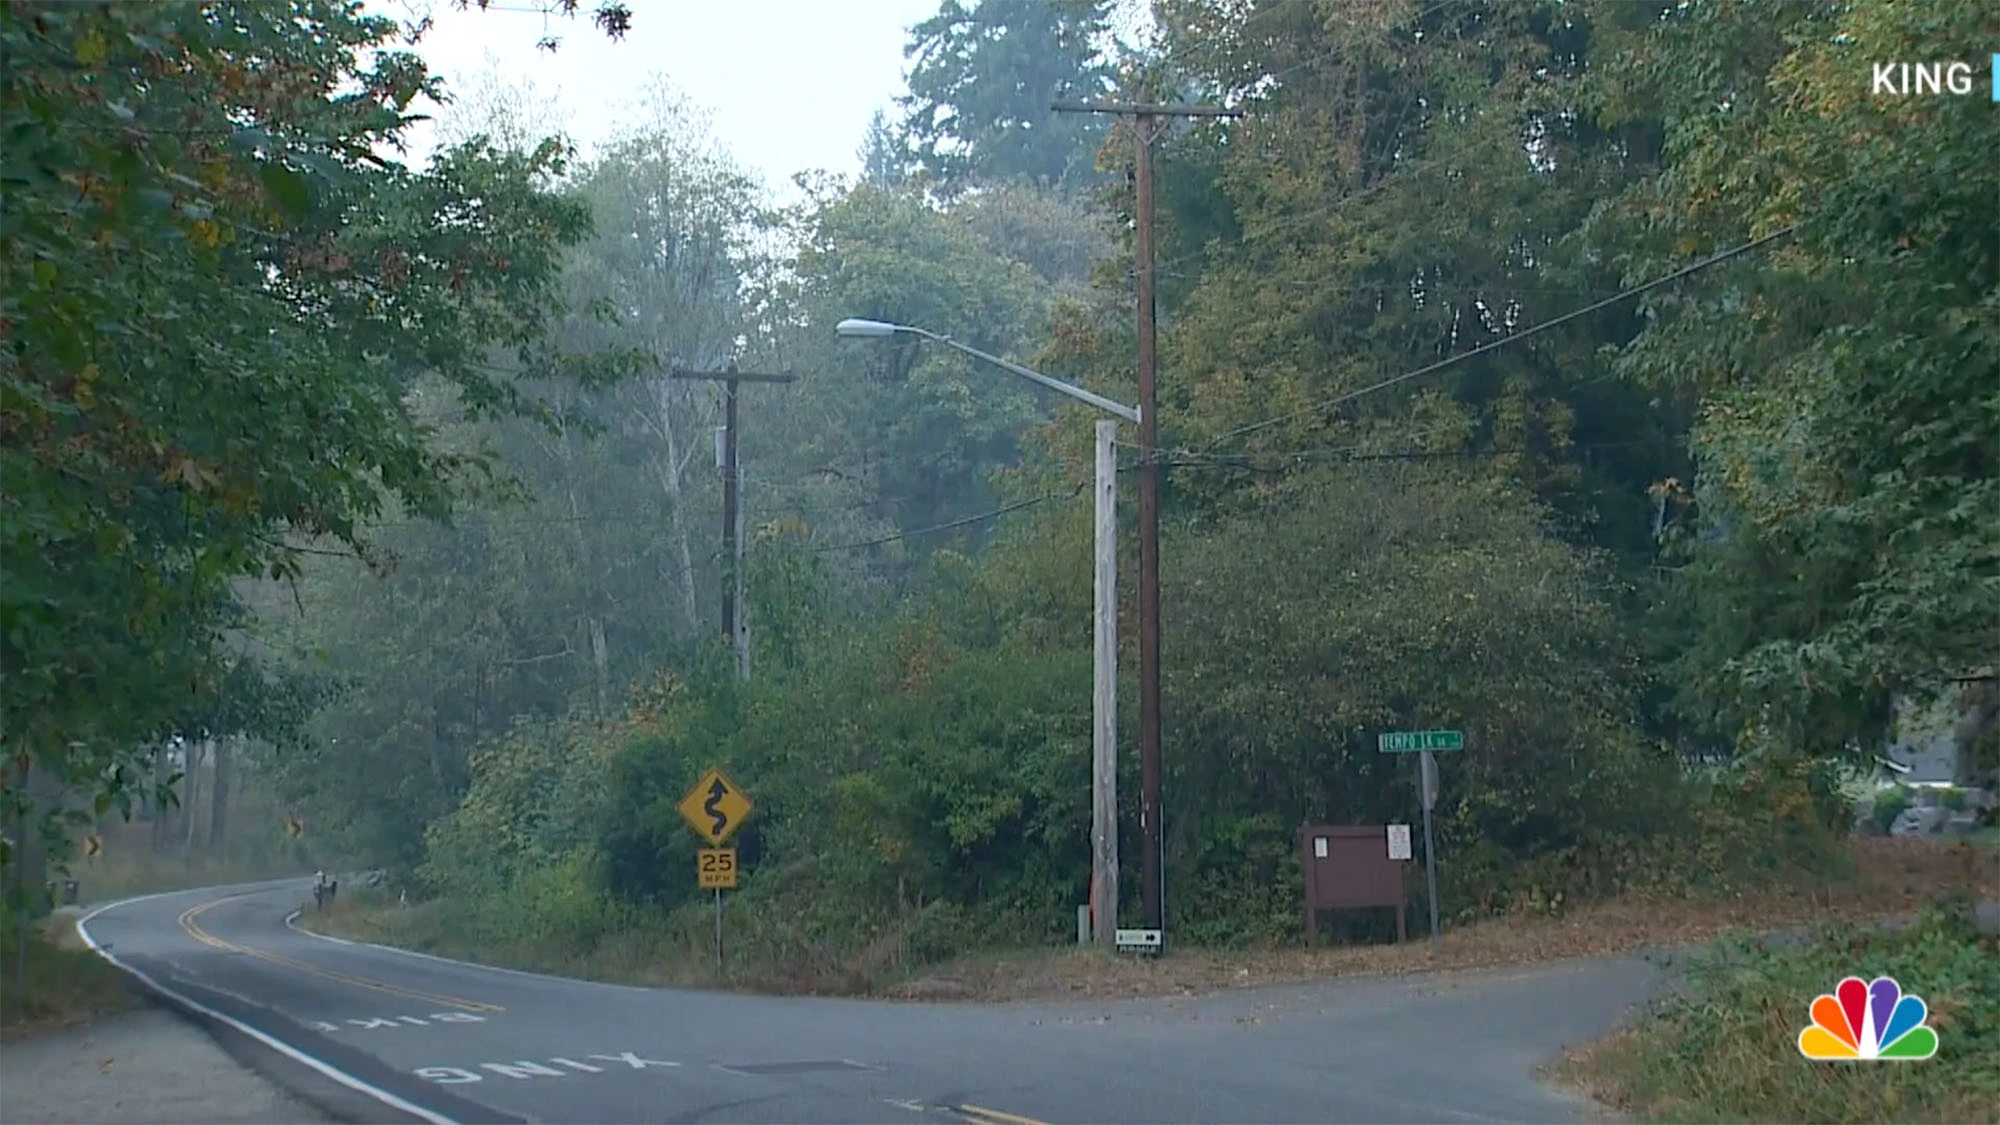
(152, 1065)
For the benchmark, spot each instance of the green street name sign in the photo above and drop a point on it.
(1411, 741)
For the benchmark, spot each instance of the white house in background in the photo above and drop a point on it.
(1924, 758)
(1924, 755)
(1928, 763)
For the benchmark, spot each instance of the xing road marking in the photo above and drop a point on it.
(194, 930)
(529, 1068)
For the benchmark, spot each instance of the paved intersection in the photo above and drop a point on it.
(382, 1034)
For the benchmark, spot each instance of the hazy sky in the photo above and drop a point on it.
(790, 84)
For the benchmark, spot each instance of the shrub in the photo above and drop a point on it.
(1888, 805)
(1725, 1047)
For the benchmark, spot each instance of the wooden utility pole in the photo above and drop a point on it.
(1145, 123)
(735, 623)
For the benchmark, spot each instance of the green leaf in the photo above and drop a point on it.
(288, 188)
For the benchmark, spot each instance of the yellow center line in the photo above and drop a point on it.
(979, 1116)
(194, 930)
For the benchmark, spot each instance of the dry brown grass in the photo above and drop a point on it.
(1587, 1071)
(1892, 877)
(67, 983)
(1723, 1048)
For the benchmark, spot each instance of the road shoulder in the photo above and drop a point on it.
(146, 1065)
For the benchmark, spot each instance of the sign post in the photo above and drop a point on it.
(715, 808)
(1427, 776)
(1423, 743)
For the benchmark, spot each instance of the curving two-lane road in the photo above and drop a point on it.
(381, 1034)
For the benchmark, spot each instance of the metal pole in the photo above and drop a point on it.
(1427, 782)
(718, 930)
(1029, 373)
(1152, 892)
(1104, 695)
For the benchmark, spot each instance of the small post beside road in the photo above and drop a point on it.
(1423, 743)
(1427, 781)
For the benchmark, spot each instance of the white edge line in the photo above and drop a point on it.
(278, 1045)
(291, 923)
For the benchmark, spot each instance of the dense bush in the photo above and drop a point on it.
(1725, 1048)
(922, 780)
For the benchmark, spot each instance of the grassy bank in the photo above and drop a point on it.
(106, 881)
(1886, 878)
(66, 984)
(1725, 1048)
(131, 863)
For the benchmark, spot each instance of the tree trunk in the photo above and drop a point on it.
(1978, 714)
(161, 825)
(218, 800)
(600, 661)
(669, 472)
(593, 599)
(29, 871)
(191, 797)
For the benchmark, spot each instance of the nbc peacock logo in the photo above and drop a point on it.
(1868, 1022)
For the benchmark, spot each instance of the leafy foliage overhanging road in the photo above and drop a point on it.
(223, 309)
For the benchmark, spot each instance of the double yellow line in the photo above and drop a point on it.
(188, 923)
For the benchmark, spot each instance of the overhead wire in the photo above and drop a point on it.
(976, 517)
(1511, 338)
(963, 521)
(1358, 453)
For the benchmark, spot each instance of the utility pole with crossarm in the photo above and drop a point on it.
(735, 626)
(1145, 122)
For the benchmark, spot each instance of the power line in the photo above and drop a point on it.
(962, 521)
(1252, 461)
(1494, 345)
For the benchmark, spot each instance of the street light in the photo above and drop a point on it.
(1104, 694)
(854, 327)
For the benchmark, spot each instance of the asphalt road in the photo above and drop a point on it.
(383, 1035)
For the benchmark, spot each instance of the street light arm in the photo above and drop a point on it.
(1057, 385)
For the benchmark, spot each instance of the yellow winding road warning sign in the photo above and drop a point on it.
(715, 808)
